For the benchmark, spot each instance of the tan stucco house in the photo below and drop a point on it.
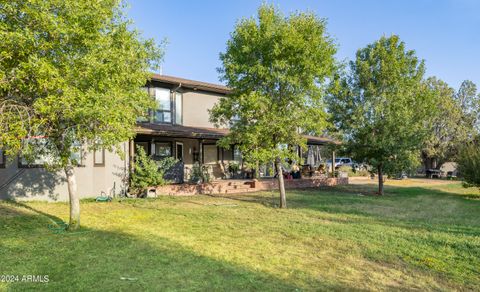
(179, 128)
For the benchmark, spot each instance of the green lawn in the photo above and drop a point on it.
(423, 236)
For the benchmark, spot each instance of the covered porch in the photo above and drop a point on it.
(196, 145)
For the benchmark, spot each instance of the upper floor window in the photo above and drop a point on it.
(178, 108)
(163, 114)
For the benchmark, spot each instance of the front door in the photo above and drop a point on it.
(179, 151)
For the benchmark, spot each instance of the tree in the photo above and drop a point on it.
(276, 66)
(469, 164)
(452, 123)
(74, 71)
(380, 105)
(469, 103)
(445, 131)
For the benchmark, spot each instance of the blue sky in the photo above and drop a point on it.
(446, 33)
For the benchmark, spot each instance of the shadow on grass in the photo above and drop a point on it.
(101, 260)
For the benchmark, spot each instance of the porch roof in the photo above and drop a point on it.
(314, 140)
(178, 131)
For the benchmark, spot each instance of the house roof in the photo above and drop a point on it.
(179, 131)
(192, 84)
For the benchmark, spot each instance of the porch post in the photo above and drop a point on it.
(200, 152)
(333, 163)
(300, 153)
(131, 153)
(152, 147)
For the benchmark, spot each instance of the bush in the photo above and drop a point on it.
(233, 167)
(200, 174)
(148, 172)
(469, 164)
(353, 172)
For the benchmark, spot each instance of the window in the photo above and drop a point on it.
(163, 114)
(178, 108)
(237, 155)
(143, 145)
(163, 149)
(76, 155)
(235, 119)
(227, 154)
(2, 159)
(210, 153)
(38, 153)
(179, 151)
(99, 157)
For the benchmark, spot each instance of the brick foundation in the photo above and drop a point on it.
(244, 186)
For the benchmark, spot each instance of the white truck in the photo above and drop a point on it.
(341, 161)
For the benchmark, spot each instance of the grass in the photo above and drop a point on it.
(419, 236)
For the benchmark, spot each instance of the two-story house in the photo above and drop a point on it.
(178, 128)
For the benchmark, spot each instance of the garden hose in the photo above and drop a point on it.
(58, 227)
(61, 228)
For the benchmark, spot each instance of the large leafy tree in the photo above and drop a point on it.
(453, 122)
(469, 102)
(469, 163)
(380, 105)
(71, 73)
(445, 130)
(276, 66)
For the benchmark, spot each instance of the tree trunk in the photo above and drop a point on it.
(380, 180)
(426, 164)
(281, 184)
(74, 200)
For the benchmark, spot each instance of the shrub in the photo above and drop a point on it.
(469, 164)
(352, 171)
(148, 172)
(200, 174)
(233, 167)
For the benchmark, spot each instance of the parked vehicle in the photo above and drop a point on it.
(341, 161)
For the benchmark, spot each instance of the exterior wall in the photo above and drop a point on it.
(39, 184)
(195, 108)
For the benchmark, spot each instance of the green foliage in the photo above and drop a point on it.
(233, 167)
(452, 121)
(200, 173)
(469, 164)
(71, 71)
(276, 66)
(354, 172)
(469, 102)
(148, 172)
(445, 130)
(381, 106)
